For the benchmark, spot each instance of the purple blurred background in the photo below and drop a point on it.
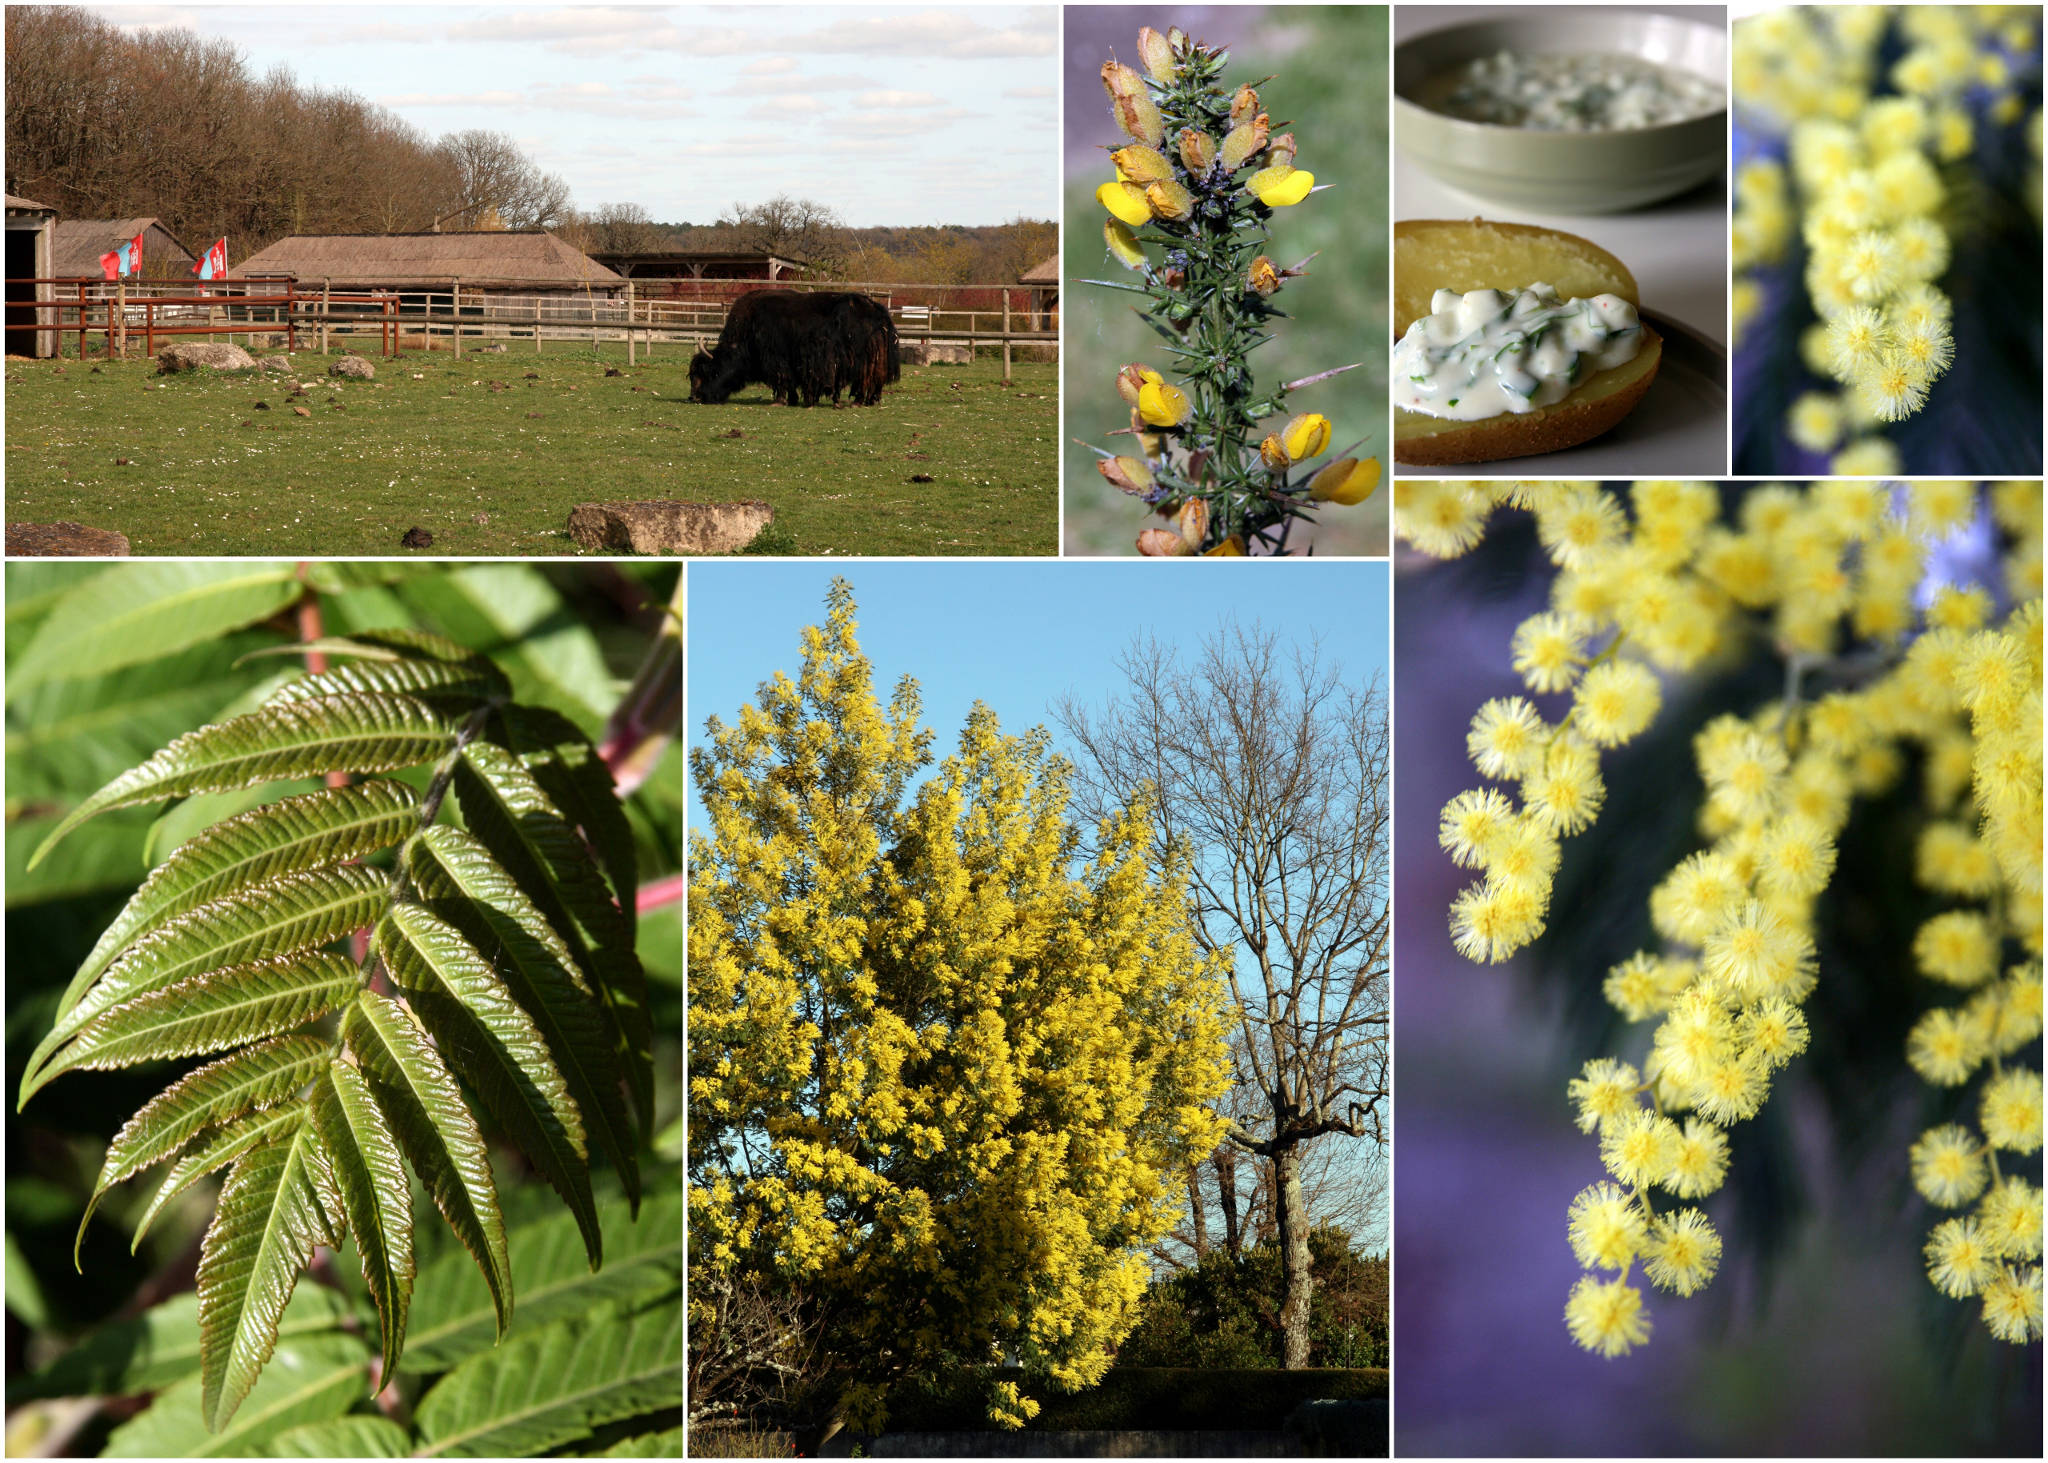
(1842, 1349)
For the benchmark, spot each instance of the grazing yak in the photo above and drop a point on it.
(804, 346)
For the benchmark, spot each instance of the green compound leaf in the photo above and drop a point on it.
(577, 781)
(256, 1077)
(161, 1346)
(311, 1380)
(222, 1008)
(452, 1317)
(400, 662)
(344, 1437)
(271, 1215)
(506, 807)
(293, 834)
(667, 1444)
(557, 1384)
(216, 1150)
(488, 1037)
(375, 1196)
(117, 619)
(434, 1129)
(347, 733)
(291, 913)
(461, 882)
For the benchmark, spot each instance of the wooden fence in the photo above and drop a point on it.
(315, 315)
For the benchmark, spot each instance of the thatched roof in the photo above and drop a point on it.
(1047, 272)
(26, 205)
(76, 247)
(531, 257)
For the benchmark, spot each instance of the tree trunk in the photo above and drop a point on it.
(1195, 1208)
(1226, 1187)
(1298, 1282)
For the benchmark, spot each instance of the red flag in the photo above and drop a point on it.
(213, 264)
(135, 249)
(110, 263)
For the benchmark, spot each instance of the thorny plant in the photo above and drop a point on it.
(1923, 666)
(1227, 484)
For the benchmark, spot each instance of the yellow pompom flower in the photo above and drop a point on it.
(1682, 1252)
(1604, 1093)
(1944, 1049)
(1699, 1161)
(1697, 898)
(1280, 187)
(1959, 1262)
(1958, 947)
(1773, 1030)
(1616, 701)
(1757, 954)
(1506, 738)
(1547, 652)
(1948, 1166)
(2011, 1217)
(1472, 824)
(2012, 1305)
(1606, 1316)
(1563, 791)
(1606, 1227)
(2010, 1110)
(1638, 1147)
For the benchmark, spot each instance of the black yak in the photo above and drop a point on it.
(804, 346)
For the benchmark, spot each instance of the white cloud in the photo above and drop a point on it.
(769, 66)
(896, 99)
(757, 86)
(1029, 93)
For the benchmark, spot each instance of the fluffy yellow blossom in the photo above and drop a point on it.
(2010, 1110)
(1549, 651)
(1948, 1166)
(1682, 1252)
(1606, 1227)
(2012, 1305)
(1638, 1147)
(1604, 1093)
(1606, 1316)
(2010, 1214)
(1506, 738)
(1959, 1262)
(1699, 1160)
(1615, 702)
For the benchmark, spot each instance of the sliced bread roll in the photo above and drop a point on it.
(1471, 254)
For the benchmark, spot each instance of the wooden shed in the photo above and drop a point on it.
(30, 230)
(81, 241)
(702, 264)
(530, 261)
(1044, 282)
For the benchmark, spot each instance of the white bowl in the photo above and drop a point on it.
(1564, 172)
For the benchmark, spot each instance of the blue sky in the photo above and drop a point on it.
(892, 115)
(1018, 636)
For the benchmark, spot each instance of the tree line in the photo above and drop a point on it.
(101, 123)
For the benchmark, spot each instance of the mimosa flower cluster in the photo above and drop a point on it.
(1875, 192)
(1879, 661)
(1196, 185)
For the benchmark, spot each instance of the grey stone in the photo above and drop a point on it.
(664, 526)
(936, 353)
(277, 365)
(353, 367)
(214, 355)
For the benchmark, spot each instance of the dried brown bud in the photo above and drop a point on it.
(1245, 141)
(1197, 151)
(1162, 543)
(1142, 165)
(1194, 524)
(1170, 201)
(1156, 51)
(1262, 278)
(1129, 474)
(1243, 105)
(1133, 105)
(1281, 153)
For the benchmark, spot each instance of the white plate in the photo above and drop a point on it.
(1679, 430)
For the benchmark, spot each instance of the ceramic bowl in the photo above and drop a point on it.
(1564, 172)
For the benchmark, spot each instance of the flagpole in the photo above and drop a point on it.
(121, 316)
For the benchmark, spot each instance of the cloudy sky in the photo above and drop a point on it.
(892, 115)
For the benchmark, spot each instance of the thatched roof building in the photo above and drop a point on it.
(1044, 279)
(80, 242)
(533, 261)
(702, 264)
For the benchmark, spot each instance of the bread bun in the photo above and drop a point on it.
(1471, 254)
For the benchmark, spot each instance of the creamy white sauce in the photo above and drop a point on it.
(1573, 93)
(1487, 353)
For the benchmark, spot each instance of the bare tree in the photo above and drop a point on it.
(615, 228)
(497, 185)
(1271, 771)
(795, 228)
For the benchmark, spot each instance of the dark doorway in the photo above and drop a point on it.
(21, 266)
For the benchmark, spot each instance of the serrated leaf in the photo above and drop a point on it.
(310, 1380)
(339, 576)
(452, 1316)
(349, 733)
(256, 1077)
(557, 1384)
(343, 1437)
(363, 1157)
(148, 610)
(488, 1038)
(271, 1215)
(577, 782)
(291, 913)
(206, 1013)
(215, 1150)
(435, 1131)
(507, 808)
(460, 881)
(308, 831)
(149, 1352)
(403, 662)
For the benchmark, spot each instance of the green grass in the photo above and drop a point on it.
(429, 444)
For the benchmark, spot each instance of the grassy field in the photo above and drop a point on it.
(495, 468)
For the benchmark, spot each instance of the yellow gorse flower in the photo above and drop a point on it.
(1162, 404)
(1126, 201)
(1281, 187)
(1348, 481)
(1305, 435)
